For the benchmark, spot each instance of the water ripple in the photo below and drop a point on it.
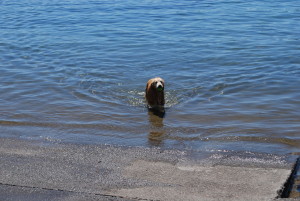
(76, 71)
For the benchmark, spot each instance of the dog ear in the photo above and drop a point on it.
(149, 83)
(163, 82)
(151, 93)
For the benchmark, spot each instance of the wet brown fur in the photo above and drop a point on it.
(154, 97)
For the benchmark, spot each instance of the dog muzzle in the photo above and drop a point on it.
(160, 88)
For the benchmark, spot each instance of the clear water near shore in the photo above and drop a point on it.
(76, 72)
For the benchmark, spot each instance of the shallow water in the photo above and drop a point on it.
(76, 72)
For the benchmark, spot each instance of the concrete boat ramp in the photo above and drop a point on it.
(36, 170)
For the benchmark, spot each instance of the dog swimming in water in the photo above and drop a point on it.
(155, 96)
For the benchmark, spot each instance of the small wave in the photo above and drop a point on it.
(172, 97)
(137, 98)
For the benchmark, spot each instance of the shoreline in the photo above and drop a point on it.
(51, 171)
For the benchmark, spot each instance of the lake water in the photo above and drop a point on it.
(75, 71)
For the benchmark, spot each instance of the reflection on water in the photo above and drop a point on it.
(157, 132)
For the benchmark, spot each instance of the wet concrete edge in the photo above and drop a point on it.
(290, 184)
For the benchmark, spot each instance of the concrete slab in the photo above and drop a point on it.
(17, 193)
(33, 170)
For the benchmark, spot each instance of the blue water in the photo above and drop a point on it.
(75, 71)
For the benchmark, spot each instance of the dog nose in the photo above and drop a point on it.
(159, 85)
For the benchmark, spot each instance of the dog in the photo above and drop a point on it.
(155, 96)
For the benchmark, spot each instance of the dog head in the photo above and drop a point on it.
(157, 84)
